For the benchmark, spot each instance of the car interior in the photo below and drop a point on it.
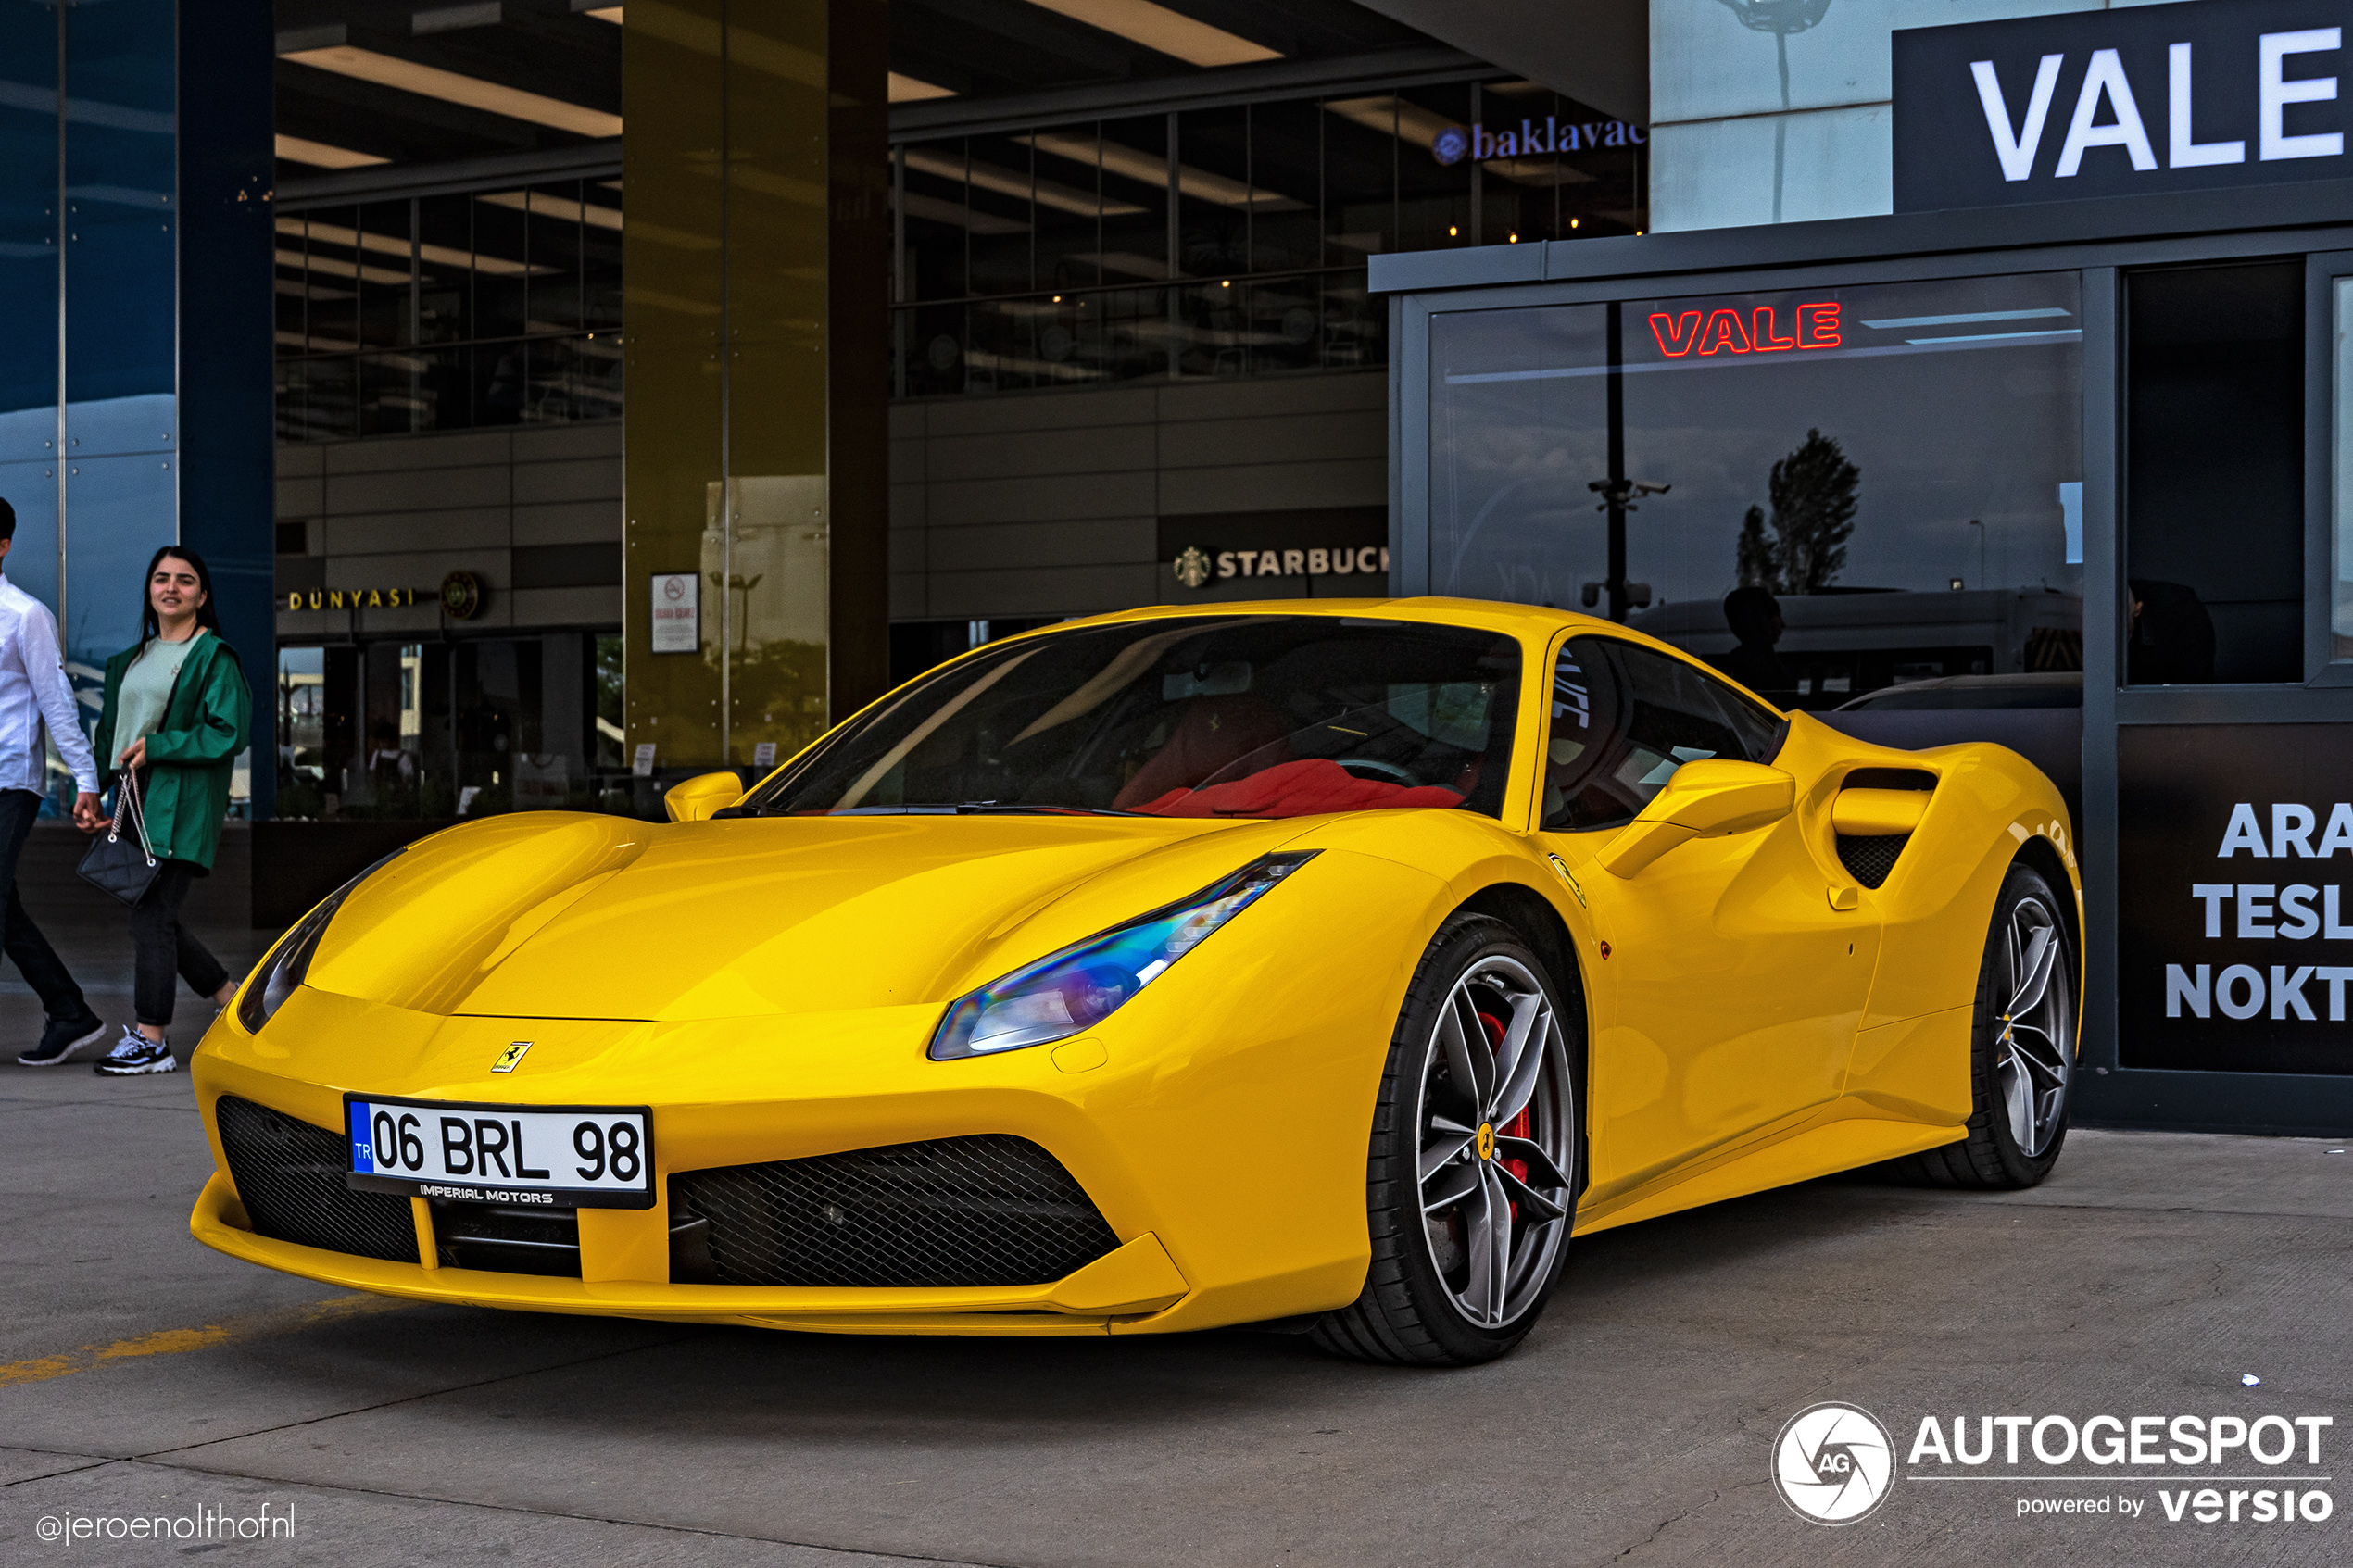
(1261, 716)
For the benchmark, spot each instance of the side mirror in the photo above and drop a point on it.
(1707, 800)
(700, 795)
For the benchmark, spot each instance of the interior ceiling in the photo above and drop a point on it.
(540, 47)
(1594, 51)
(993, 48)
(520, 76)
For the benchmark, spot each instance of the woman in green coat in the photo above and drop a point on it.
(177, 710)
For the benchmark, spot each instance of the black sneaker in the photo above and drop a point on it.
(135, 1054)
(62, 1038)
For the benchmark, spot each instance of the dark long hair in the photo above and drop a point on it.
(149, 627)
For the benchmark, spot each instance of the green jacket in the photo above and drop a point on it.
(193, 753)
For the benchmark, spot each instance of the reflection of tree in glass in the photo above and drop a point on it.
(1813, 494)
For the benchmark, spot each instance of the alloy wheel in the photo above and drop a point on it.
(2035, 1055)
(1496, 1115)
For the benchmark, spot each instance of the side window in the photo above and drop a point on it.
(1623, 720)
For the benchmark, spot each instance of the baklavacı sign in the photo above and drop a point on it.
(1528, 138)
(2139, 100)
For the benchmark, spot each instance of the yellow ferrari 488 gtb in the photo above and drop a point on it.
(1324, 965)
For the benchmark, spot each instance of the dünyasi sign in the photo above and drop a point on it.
(2142, 99)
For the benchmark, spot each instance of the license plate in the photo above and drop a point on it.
(573, 1156)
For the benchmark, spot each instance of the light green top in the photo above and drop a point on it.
(147, 686)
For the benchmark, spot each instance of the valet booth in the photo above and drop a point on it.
(2056, 455)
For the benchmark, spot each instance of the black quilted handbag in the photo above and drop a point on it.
(122, 865)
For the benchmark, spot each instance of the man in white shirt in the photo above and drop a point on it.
(36, 696)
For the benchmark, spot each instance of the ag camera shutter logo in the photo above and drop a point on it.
(1834, 1463)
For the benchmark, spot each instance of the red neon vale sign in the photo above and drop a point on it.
(1815, 325)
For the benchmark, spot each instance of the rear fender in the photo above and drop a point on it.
(1989, 806)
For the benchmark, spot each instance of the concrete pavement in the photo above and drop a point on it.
(143, 1375)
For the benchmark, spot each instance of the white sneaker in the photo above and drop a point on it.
(135, 1055)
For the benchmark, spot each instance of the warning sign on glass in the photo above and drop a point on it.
(2236, 891)
(677, 619)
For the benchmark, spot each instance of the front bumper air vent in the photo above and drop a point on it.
(289, 1176)
(986, 1210)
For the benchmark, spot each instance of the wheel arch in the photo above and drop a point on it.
(2043, 857)
(1531, 915)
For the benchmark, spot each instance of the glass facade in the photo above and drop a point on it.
(1226, 241)
(1775, 111)
(2090, 505)
(450, 311)
(438, 729)
(1898, 464)
(2340, 471)
(2214, 364)
(744, 402)
(89, 257)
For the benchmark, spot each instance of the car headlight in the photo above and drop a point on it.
(290, 959)
(1067, 992)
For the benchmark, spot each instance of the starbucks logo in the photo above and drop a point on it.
(1192, 567)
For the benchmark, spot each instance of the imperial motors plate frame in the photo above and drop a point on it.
(548, 1193)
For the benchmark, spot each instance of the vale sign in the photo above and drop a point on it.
(2122, 102)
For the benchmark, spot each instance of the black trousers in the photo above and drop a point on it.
(163, 946)
(26, 948)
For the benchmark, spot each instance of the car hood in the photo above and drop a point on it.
(564, 915)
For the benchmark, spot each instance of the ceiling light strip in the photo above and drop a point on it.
(297, 261)
(1151, 169)
(318, 155)
(393, 244)
(1046, 192)
(910, 90)
(1160, 28)
(544, 206)
(472, 92)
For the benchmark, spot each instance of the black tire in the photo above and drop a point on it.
(1409, 1313)
(1992, 1155)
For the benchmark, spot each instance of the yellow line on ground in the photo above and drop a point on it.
(174, 1341)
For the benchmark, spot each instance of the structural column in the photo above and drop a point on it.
(756, 178)
(227, 424)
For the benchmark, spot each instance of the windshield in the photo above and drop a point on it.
(1255, 716)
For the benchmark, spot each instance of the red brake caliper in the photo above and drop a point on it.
(1518, 1126)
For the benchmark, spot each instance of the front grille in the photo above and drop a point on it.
(289, 1176)
(507, 1238)
(989, 1209)
(1869, 861)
